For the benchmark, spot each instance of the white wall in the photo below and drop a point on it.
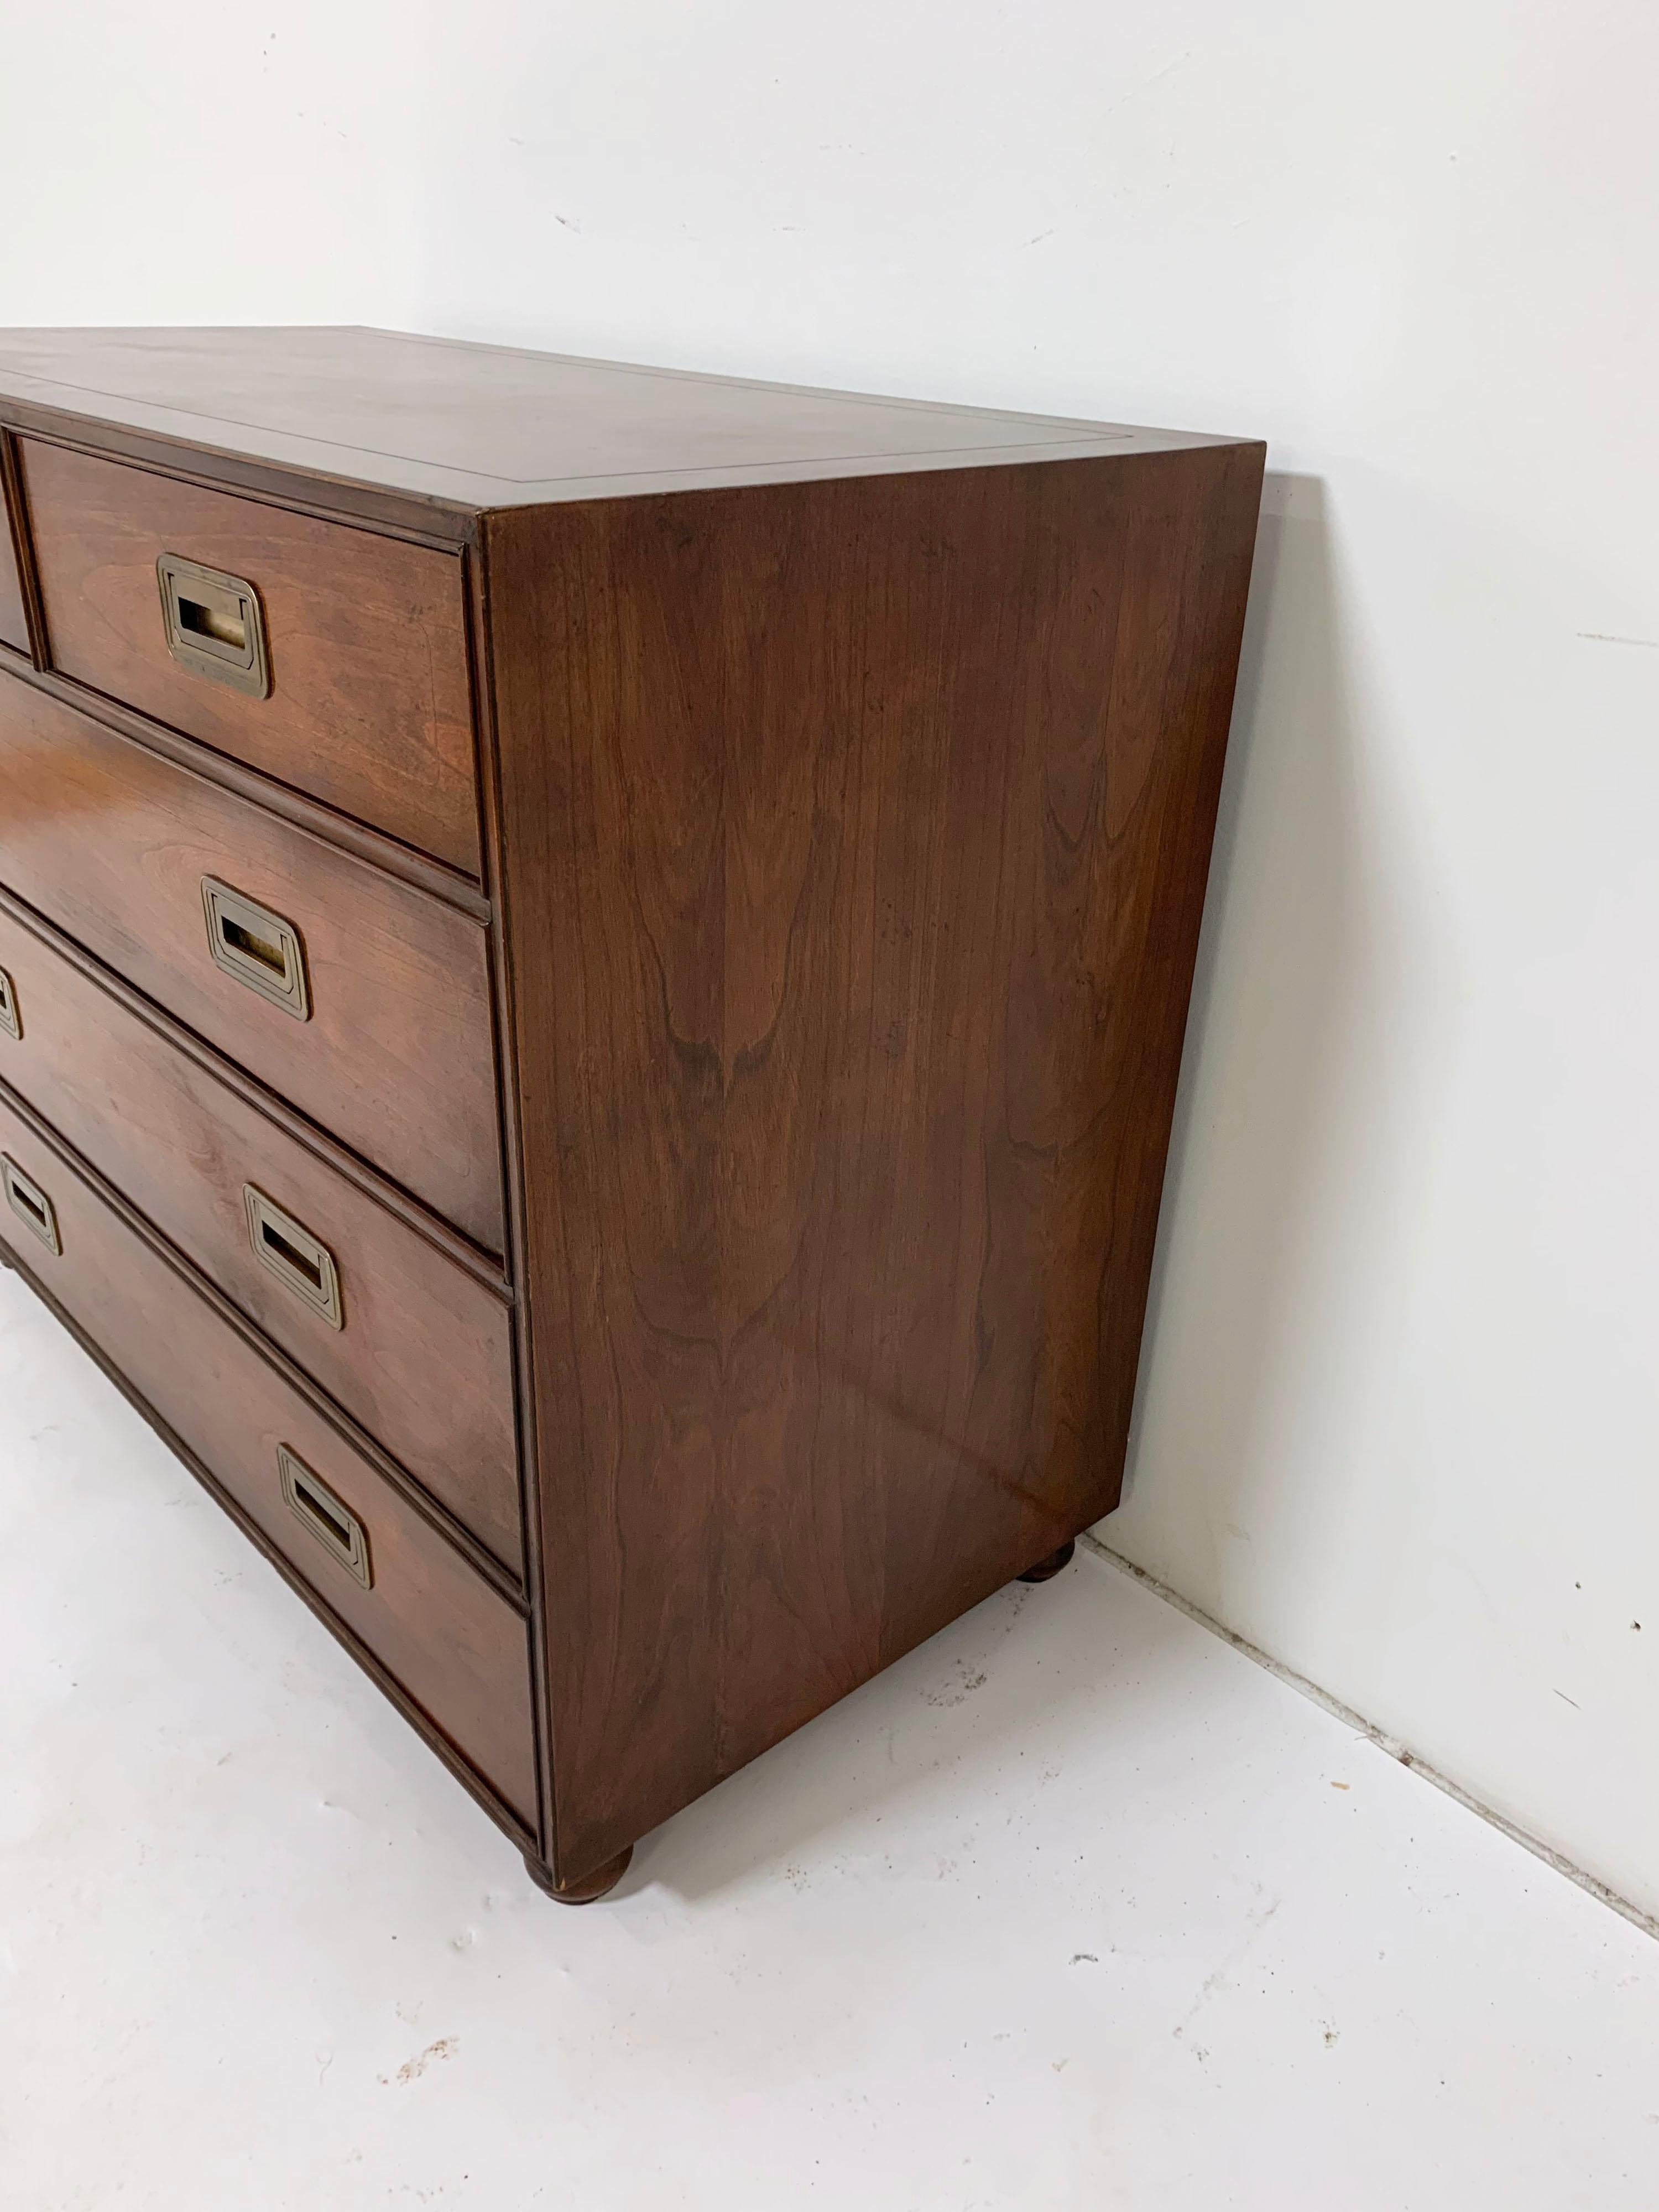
(1398, 1417)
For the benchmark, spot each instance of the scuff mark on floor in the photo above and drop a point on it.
(959, 1686)
(412, 2069)
(1256, 1921)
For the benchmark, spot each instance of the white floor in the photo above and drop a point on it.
(1075, 1908)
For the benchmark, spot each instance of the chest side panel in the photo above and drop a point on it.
(855, 841)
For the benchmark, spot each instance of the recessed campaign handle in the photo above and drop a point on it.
(255, 946)
(328, 1517)
(214, 624)
(10, 1020)
(30, 1204)
(299, 1261)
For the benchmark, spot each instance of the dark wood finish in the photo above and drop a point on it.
(530, 1489)
(14, 606)
(424, 1360)
(589, 1889)
(846, 776)
(368, 708)
(112, 843)
(457, 1648)
(452, 426)
(381, 852)
(1046, 1570)
(431, 1226)
(872, 819)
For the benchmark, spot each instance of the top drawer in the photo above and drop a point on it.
(342, 669)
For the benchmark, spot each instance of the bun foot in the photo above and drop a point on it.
(1046, 1570)
(589, 1888)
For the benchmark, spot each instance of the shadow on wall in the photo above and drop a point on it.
(1264, 1135)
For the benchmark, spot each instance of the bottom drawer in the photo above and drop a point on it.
(459, 1649)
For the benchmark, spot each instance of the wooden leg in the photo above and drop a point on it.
(589, 1888)
(1046, 1570)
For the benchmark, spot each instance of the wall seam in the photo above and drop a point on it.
(1556, 1861)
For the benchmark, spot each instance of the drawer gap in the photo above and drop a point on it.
(203, 621)
(301, 1262)
(255, 948)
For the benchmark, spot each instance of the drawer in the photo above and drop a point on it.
(358, 691)
(457, 1647)
(395, 1054)
(410, 1345)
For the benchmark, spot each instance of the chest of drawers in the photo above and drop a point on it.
(593, 969)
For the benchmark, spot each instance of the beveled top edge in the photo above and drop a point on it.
(461, 425)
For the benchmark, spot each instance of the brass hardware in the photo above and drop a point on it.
(329, 1518)
(10, 1020)
(293, 1256)
(258, 947)
(30, 1204)
(214, 624)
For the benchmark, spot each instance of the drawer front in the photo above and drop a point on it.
(358, 691)
(13, 622)
(395, 1056)
(458, 1648)
(414, 1347)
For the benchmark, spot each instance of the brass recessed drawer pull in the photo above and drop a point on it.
(299, 1262)
(10, 1020)
(30, 1204)
(329, 1518)
(255, 946)
(214, 624)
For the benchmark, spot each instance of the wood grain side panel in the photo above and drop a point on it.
(369, 708)
(457, 1648)
(425, 1359)
(868, 825)
(111, 842)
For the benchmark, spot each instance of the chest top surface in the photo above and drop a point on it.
(479, 426)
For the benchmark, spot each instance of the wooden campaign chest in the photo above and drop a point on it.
(592, 968)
